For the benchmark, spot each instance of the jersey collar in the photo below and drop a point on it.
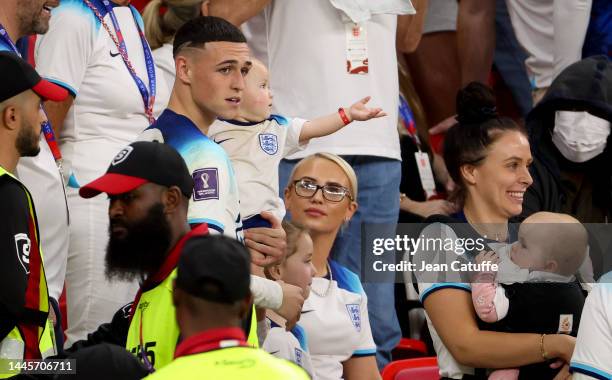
(210, 340)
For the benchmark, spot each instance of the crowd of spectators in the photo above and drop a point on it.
(248, 152)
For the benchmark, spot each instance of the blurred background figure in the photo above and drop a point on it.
(98, 52)
(162, 19)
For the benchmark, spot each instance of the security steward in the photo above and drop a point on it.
(212, 297)
(25, 329)
(149, 187)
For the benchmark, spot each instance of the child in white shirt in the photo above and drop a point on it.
(296, 269)
(258, 140)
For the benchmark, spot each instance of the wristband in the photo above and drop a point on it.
(542, 351)
(343, 116)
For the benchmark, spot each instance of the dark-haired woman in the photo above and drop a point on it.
(487, 157)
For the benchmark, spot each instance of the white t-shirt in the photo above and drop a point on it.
(255, 150)
(592, 357)
(165, 63)
(307, 49)
(552, 33)
(289, 345)
(108, 111)
(337, 324)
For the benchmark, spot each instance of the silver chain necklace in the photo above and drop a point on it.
(331, 278)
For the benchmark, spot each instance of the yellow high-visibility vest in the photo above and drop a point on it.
(12, 347)
(154, 332)
(231, 363)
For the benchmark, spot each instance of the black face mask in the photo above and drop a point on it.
(143, 249)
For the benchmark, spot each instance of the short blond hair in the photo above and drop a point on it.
(341, 162)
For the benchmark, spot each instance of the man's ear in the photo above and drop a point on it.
(183, 68)
(172, 199)
(11, 117)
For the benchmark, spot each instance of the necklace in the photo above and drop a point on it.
(329, 284)
(481, 228)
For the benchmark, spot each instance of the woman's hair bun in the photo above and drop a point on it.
(476, 104)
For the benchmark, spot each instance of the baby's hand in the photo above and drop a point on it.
(359, 111)
(490, 256)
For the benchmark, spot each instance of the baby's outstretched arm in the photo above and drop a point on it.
(489, 299)
(326, 125)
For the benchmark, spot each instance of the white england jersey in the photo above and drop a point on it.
(215, 193)
(592, 357)
(289, 345)
(255, 150)
(335, 317)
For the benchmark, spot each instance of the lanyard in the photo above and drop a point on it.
(407, 119)
(46, 126)
(4, 36)
(148, 95)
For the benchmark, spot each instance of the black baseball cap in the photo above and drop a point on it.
(139, 163)
(18, 76)
(215, 268)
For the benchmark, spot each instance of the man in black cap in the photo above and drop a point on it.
(149, 186)
(212, 297)
(24, 307)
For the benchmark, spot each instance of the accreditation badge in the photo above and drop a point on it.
(426, 174)
(356, 48)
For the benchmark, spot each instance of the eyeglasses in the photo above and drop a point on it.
(334, 193)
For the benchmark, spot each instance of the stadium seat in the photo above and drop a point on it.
(409, 348)
(412, 369)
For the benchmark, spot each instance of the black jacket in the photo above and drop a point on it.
(580, 189)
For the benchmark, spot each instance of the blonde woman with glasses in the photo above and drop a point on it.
(321, 196)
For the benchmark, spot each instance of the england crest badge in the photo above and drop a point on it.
(268, 143)
(355, 315)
